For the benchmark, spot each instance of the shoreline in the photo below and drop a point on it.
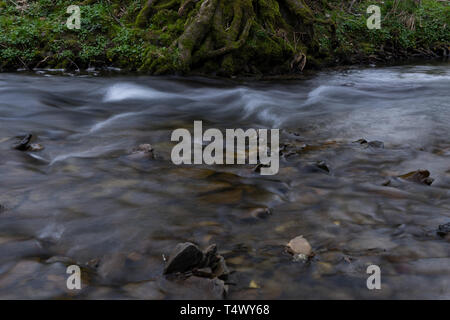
(308, 74)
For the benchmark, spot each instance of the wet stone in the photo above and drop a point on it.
(210, 255)
(203, 272)
(444, 230)
(419, 176)
(318, 167)
(23, 145)
(200, 288)
(143, 151)
(261, 213)
(376, 144)
(184, 257)
(322, 165)
(372, 144)
(259, 166)
(35, 147)
(300, 248)
(220, 269)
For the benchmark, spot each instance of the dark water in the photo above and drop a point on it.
(82, 200)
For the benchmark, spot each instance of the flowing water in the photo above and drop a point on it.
(82, 200)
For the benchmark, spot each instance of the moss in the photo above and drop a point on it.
(229, 37)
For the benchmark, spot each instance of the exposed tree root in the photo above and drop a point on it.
(215, 29)
(141, 19)
(184, 5)
(196, 30)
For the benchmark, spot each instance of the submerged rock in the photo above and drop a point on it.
(203, 273)
(259, 166)
(260, 213)
(185, 257)
(322, 165)
(143, 151)
(220, 269)
(198, 268)
(419, 176)
(444, 230)
(206, 288)
(23, 145)
(35, 147)
(317, 167)
(372, 144)
(361, 141)
(376, 144)
(300, 248)
(210, 256)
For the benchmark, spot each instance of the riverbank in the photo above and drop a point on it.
(213, 37)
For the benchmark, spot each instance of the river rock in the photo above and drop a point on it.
(35, 147)
(372, 144)
(201, 288)
(317, 167)
(259, 166)
(143, 151)
(300, 248)
(210, 256)
(444, 230)
(220, 269)
(261, 213)
(185, 257)
(376, 144)
(323, 166)
(23, 145)
(203, 273)
(419, 176)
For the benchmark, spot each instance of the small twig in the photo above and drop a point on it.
(24, 64)
(43, 60)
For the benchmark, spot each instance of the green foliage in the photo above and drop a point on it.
(36, 32)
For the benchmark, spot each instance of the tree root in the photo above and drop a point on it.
(141, 19)
(215, 29)
(196, 30)
(301, 10)
(184, 5)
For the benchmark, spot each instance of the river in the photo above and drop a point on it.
(83, 200)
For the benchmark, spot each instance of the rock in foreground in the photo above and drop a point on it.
(300, 248)
(185, 257)
(196, 267)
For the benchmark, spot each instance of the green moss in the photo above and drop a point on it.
(127, 34)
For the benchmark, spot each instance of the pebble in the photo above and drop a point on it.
(253, 285)
(300, 248)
